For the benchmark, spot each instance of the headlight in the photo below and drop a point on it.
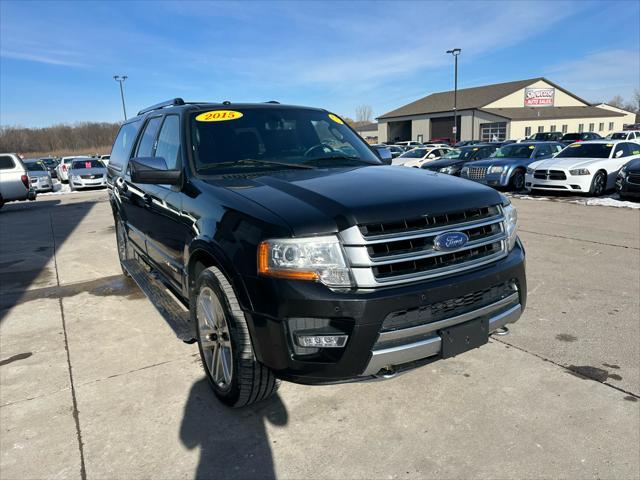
(580, 171)
(623, 172)
(318, 259)
(496, 169)
(448, 170)
(75, 177)
(464, 170)
(529, 171)
(510, 225)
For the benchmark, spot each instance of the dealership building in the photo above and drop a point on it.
(502, 111)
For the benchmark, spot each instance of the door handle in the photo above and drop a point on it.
(121, 185)
(147, 199)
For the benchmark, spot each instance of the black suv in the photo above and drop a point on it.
(276, 238)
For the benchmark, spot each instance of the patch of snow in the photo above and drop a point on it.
(612, 200)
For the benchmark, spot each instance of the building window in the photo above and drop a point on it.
(565, 128)
(601, 127)
(540, 129)
(610, 125)
(493, 132)
(592, 127)
(580, 127)
(527, 131)
(553, 128)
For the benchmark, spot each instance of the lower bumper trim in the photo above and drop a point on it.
(430, 346)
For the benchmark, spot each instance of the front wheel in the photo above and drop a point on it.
(517, 181)
(235, 375)
(598, 184)
(124, 250)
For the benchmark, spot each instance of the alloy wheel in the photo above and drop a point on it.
(215, 338)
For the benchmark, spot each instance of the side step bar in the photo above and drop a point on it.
(171, 310)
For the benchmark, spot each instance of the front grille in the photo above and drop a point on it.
(634, 178)
(387, 253)
(477, 173)
(452, 307)
(92, 176)
(550, 175)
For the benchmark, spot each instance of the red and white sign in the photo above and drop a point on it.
(539, 97)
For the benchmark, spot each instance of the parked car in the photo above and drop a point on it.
(633, 135)
(51, 163)
(507, 166)
(628, 181)
(293, 258)
(465, 143)
(87, 172)
(452, 162)
(546, 137)
(395, 150)
(586, 167)
(445, 140)
(383, 153)
(569, 138)
(62, 169)
(408, 145)
(39, 176)
(14, 182)
(419, 156)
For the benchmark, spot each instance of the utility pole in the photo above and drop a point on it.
(120, 79)
(455, 52)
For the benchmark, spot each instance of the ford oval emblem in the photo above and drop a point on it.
(449, 241)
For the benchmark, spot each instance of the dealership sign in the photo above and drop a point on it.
(539, 97)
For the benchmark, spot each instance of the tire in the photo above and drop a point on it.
(516, 182)
(239, 379)
(122, 242)
(598, 184)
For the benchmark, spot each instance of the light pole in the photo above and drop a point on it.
(120, 79)
(455, 52)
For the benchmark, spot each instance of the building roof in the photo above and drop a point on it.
(550, 113)
(468, 98)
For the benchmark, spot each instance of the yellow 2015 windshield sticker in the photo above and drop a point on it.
(218, 116)
(336, 118)
(532, 147)
(575, 145)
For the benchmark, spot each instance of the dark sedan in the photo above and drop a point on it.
(453, 162)
(628, 181)
(569, 138)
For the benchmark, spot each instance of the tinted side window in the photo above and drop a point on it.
(122, 146)
(6, 162)
(169, 141)
(148, 139)
(543, 151)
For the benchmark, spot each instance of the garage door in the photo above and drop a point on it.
(443, 127)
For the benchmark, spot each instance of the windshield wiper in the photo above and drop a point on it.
(337, 157)
(252, 161)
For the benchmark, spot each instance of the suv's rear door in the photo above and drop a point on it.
(12, 186)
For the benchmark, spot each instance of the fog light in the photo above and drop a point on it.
(322, 341)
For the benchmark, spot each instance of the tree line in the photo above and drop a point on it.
(89, 136)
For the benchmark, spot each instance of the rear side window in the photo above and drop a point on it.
(6, 162)
(122, 146)
(169, 141)
(148, 139)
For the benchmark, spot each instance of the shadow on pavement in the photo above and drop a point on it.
(233, 443)
(30, 233)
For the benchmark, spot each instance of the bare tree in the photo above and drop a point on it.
(364, 113)
(617, 101)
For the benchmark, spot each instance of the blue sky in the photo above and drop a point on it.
(57, 59)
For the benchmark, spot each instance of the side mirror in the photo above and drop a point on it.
(153, 170)
(618, 154)
(384, 154)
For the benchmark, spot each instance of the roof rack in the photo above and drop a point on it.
(169, 103)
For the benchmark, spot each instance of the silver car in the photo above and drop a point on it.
(39, 175)
(65, 164)
(87, 172)
(14, 182)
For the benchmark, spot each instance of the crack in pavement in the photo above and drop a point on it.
(564, 367)
(579, 239)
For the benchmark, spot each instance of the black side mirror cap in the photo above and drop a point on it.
(153, 170)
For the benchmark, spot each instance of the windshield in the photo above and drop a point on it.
(80, 164)
(452, 155)
(34, 166)
(586, 150)
(619, 136)
(251, 138)
(514, 151)
(572, 136)
(415, 153)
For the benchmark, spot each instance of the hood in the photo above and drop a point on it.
(88, 171)
(446, 162)
(322, 201)
(504, 161)
(633, 166)
(565, 163)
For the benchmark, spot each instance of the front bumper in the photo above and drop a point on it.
(625, 186)
(491, 179)
(88, 183)
(361, 315)
(572, 183)
(42, 185)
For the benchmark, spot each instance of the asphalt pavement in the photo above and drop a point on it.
(95, 385)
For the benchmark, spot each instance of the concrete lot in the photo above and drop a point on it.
(94, 384)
